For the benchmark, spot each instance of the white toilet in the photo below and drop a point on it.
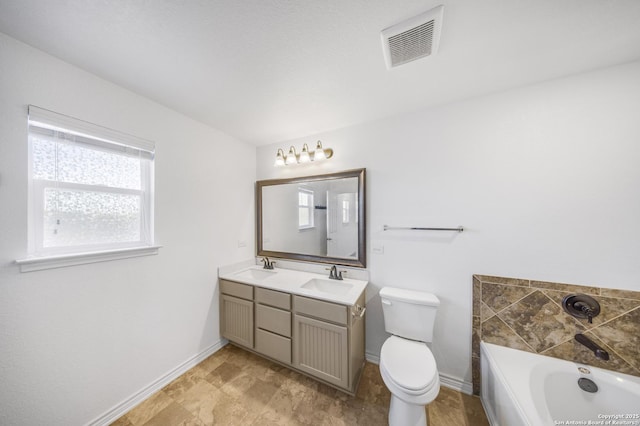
(407, 365)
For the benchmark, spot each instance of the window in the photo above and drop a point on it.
(305, 209)
(90, 188)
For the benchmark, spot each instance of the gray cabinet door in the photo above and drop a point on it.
(237, 320)
(321, 349)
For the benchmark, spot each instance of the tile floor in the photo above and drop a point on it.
(236, 387)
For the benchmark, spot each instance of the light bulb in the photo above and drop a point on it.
(279, 158)
(319, 152)
(291, 157)
(304, 155)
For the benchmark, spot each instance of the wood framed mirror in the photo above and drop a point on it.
(318, 218)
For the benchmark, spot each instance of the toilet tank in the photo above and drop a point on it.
(409, 313)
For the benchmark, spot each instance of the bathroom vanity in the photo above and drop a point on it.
(303, 320)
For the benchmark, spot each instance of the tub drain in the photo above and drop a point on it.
(587, 385)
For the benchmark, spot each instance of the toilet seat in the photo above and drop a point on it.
(409, 370)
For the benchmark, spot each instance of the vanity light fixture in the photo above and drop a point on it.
(305, 156)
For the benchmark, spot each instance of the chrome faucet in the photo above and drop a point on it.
(597, 350)
(334, 274)
(267, 263)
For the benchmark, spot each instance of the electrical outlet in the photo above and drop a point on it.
(377, 248)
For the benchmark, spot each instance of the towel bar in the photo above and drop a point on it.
(415, 228)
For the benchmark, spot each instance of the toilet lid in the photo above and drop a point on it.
(410, 364)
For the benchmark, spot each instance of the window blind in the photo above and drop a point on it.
(91, 188)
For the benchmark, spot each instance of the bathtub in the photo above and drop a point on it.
(521, 388)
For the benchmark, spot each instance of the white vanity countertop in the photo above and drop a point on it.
(344, 292)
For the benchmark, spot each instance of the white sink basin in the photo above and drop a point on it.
(336, 287)
(255, 274)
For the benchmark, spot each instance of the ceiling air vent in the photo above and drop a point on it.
(412, 39)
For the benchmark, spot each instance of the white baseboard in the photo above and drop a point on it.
(445, 379)
(456, 383)
(119, 410)
(372, 357)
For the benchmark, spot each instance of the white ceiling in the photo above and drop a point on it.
(266, 71)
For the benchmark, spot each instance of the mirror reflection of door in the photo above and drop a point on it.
(342, 225)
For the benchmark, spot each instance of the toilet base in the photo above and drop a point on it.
(404, 414)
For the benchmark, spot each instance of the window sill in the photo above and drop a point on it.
(50, 262)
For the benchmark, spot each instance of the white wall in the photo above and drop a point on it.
(76, 341)
(544, 179)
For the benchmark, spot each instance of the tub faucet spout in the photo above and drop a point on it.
(597, 350)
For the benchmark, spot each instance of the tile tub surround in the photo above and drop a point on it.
(528, 315)
(236, 387)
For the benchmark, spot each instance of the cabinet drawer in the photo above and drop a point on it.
(320, 309)
(243, 291)
(273, 298)
(272, 319)
(274, 346)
